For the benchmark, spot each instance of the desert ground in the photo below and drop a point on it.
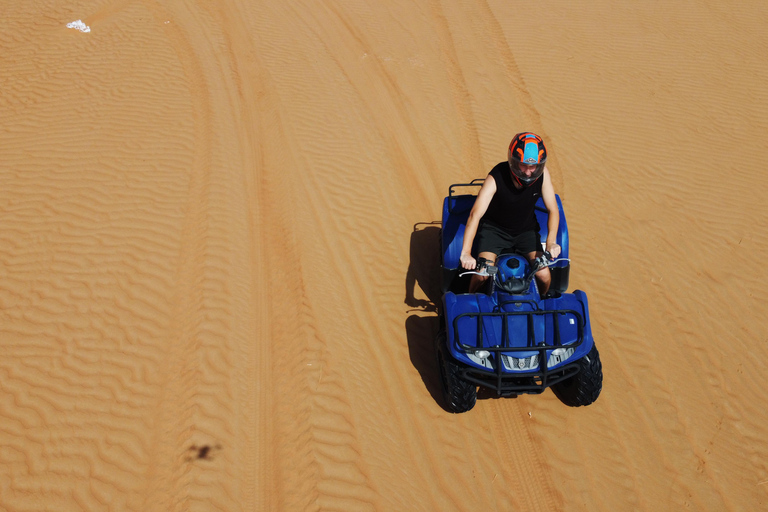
(219, 228)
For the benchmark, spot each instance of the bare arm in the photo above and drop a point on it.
(553, 220)
(478, 210)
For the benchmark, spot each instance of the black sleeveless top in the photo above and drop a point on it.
(512, 209)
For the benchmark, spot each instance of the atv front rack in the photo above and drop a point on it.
(508, 382)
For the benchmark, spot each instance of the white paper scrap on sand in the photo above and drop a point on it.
(79, 25)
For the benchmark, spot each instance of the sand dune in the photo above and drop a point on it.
(219, 253)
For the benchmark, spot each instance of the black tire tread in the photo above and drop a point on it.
(584, 387)
(459, 395)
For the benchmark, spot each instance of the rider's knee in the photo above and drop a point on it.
(476, 283)
(544, 275)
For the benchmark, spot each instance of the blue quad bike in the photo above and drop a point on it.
(507, 338)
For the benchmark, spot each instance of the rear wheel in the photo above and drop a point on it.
(459, 395)
(584, 387)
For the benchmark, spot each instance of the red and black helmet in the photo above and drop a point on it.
(527, 148)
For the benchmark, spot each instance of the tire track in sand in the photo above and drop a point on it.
(317, 461)
(218, 399)
(368, 340)
(170, 476)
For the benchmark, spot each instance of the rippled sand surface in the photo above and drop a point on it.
(218, 252)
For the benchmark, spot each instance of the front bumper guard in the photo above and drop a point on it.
(524, 382)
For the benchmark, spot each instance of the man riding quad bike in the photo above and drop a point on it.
(496, 329)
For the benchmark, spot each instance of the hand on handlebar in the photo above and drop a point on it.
(554, 250)
(468, 262)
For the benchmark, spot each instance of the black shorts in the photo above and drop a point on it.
(493, 239)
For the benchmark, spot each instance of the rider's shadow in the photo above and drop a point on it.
(424, 272)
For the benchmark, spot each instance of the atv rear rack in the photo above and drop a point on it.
(477, 182)
(533, 382)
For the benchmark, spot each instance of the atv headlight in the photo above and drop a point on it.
(482, 354)
(559, 355)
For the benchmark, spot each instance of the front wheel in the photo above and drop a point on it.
(459, 395)
(584, 387)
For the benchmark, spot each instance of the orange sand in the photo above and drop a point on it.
(218, 271)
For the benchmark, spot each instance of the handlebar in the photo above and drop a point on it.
(514, 285)
(482, 269)
(546, 260)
